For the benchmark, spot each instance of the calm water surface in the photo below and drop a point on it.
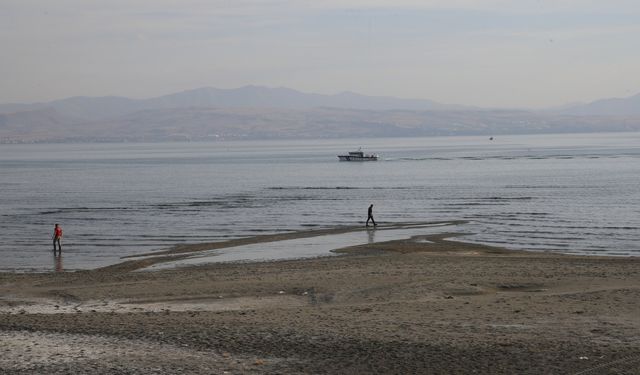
(573, 193)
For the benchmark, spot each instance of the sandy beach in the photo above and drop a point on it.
(425, 305)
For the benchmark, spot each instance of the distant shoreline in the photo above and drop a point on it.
(234, 139)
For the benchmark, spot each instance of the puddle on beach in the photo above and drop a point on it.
(423, 241)
(303, 247)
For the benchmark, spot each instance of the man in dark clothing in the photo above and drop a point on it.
(370, 216)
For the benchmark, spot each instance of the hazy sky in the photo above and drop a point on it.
(518, 53)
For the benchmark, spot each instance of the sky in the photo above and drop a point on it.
(488, 53)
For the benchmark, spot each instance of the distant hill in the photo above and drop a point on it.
(38, 124)
(206, 123)
(607, 107)
(264, 97)
(254, 112)
(101, 108)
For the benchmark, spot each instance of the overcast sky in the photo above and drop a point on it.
(491, 53)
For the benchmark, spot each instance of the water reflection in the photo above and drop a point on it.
(371, 234)
(57, 262)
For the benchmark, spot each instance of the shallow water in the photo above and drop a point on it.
(304, 247)
(567, 193)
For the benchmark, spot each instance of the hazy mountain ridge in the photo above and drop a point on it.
(109, 107)
(264, 113)
(36, 123)
(629, 106)
(243, 123)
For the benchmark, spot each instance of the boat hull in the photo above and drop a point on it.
(357, 158)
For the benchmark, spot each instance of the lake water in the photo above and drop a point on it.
(575, 193)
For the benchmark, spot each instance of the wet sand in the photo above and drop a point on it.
(423, 305)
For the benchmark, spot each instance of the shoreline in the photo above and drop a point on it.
(426, 304)
(187, 250)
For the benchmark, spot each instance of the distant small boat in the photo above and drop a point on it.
(358, 156)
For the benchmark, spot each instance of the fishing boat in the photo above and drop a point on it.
(358, 156)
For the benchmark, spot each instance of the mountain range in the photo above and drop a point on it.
(255, 112)
(607, 107)
(98, 108)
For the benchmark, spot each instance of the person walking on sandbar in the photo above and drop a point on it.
(370, 216)
(57, 237)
